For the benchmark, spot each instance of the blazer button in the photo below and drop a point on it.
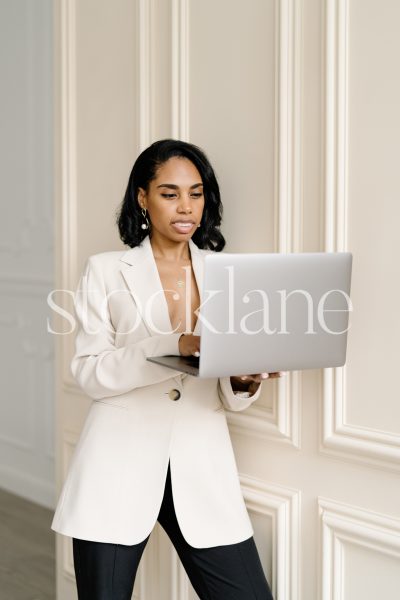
(174, 394)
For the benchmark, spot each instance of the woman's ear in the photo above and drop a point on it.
(141, 198)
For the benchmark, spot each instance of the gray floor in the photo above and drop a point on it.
(27, 550)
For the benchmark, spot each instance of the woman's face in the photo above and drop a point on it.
(174, 197)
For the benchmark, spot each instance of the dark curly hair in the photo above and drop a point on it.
(144, 170)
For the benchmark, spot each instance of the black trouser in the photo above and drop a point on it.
(106, 571)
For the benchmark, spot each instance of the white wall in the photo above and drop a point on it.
(295, 102)
(26, 249)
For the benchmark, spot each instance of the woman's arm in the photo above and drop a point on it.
(101, 369)
(226, 390)
(237, 393)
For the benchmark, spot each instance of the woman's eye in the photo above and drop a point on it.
(194, 195)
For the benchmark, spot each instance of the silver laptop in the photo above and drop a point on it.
(270, 312)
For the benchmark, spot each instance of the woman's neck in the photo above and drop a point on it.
(171, 252)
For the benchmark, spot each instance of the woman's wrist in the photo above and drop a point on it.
(238, 385)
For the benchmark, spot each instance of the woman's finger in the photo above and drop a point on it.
(258, 377)
(261, 376)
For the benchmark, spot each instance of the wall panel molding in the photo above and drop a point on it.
(282, 505)
(283, 424)
(280, 424)
(288, 109)
(144, 69)
(351, 442)
(180, 69)
(180, 583)
(342, 524)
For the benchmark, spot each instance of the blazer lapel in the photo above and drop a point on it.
(143, 280)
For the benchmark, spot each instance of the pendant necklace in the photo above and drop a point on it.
(181, 282)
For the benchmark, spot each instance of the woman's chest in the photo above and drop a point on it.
(181, 294)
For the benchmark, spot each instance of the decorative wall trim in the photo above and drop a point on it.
(282, 505)
(283, 423)
(342, 524)
(180, 69)
(336, 124)
(180, 584)
(376, 448)
(144, 73)
(288, 179)
(355, 443)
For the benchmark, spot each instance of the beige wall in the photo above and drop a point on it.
(294, 101)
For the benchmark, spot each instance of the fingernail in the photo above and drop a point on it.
(264, 375)
(244, 377)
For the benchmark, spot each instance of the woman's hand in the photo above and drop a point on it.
(189, 345)
(250, 383)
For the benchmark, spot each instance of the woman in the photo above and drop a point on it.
(155, 444)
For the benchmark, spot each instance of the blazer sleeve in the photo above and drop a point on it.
(101, 369)
(233, 401)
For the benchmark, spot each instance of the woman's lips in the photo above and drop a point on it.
(182, 227)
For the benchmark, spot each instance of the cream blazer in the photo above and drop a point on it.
(115, 483)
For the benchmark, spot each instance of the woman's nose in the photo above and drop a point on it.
(185, 208)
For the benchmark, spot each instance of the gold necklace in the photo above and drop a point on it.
(181, 282)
